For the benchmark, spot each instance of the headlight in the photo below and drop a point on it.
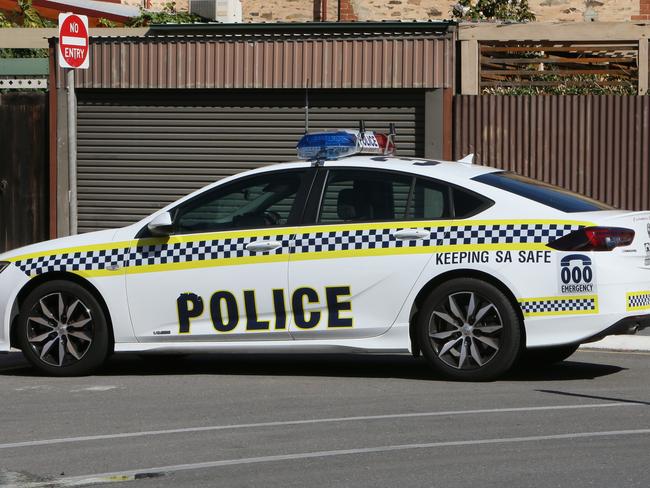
(3, 265)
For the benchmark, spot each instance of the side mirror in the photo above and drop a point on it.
(161, 225)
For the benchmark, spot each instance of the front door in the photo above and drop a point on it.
(222, 274)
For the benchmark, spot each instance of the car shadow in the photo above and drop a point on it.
(320, 365)
(564, 371)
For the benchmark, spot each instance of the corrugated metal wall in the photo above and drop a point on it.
(138, 150)
(207, 62)
(596, 145)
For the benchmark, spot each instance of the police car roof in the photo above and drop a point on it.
(448, 170)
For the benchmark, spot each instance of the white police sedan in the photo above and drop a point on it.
(352, 250)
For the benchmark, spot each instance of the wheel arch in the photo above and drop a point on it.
(35, 282)
(426, 290)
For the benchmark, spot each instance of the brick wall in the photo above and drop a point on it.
(302, 10)
(644, 11)
(347, 11)
(546, 10)
(181, 5)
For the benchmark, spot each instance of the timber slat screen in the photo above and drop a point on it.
(553, 64)
(596, 145)
(23, 169)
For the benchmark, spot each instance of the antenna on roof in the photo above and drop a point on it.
(469, 159)
(391, 137)
(362, 128)
(307, 107)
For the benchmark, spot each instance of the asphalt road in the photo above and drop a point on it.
(239, 421)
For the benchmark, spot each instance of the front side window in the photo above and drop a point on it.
(265, 200)
(549, 195)
(364, 195)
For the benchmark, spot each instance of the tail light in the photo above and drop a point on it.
(594, 239)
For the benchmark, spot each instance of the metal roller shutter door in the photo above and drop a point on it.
(139, 150)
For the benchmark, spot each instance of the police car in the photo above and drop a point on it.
(352, 250)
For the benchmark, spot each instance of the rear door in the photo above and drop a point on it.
(350, 272)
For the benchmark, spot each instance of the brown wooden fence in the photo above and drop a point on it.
(544, 65)
(596, 145)
(23, 169)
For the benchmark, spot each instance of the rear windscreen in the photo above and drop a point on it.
(543, 193)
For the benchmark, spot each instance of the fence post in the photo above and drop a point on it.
(642, 63)
(469, 68)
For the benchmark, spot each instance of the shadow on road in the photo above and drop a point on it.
(566, 370)
(594, 397)
(330, 365)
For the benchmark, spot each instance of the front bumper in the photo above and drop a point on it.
(11, 282)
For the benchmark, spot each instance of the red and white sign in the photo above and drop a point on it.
(73, 41)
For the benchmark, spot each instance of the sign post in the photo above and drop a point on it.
(73, 54)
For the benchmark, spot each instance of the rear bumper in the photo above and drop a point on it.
(625, 326)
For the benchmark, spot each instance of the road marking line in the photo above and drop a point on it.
(136, 473)
(585, 348)
(65, 440)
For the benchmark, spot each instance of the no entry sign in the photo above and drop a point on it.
(73, 41)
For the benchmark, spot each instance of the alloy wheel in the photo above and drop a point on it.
(60, 329)
(465, 330)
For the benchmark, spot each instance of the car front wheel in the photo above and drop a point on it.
(62, 329)
(469, 330)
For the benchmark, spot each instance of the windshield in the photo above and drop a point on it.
(549, 195)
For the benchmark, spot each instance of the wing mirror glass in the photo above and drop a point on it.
(161, 225)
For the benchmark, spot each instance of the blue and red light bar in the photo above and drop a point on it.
(343, 143)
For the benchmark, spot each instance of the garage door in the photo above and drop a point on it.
(139, 150)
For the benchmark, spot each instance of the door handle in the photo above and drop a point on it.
(263, 246)
(411, 234)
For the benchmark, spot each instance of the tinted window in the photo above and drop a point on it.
(430, 200)
(363, 195)
(265, 200)
(467, 203)
(543, 193)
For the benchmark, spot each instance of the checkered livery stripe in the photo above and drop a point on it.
(439, 236)
(148, 255)
(294, 243)
(559, 305)
(638, 300)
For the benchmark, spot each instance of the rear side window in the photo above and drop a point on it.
(429, 201)
(360, 195)
(549, 195)
(468, 203)
(364, 195)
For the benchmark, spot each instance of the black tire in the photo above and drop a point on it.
(80, 356)
(499, 325)
(545, 356)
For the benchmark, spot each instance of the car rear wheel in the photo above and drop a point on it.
(62, 329)
(547, 355)
(469, 330)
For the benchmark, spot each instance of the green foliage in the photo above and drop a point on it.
(4, 21)
(102, 22)
(168, 15)
(31, 17)
(508, 10)
(27, 17)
